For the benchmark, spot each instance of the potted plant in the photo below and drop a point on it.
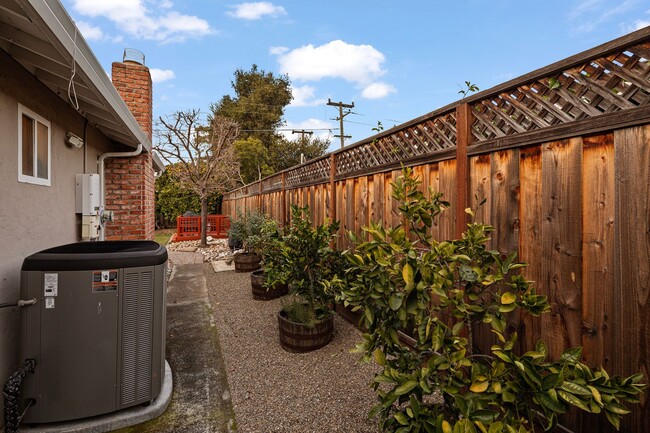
(246, 227)
(306, 320)
(402, 279)
(271, 281)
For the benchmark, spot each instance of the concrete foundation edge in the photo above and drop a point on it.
(116, 420)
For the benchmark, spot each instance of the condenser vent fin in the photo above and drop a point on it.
(136, 337)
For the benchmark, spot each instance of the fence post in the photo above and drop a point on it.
(464, 120)
(332, 210)
(283, 203)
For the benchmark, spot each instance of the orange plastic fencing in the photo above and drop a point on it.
(188, 228)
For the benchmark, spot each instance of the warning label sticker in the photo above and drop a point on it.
(105, 281)
(50, 284)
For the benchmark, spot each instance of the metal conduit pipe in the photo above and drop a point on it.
(11, 393)
(102, 180)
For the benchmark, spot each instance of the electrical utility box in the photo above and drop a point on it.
(87, 204)
(97, 331)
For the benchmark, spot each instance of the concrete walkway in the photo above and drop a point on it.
(201, 398)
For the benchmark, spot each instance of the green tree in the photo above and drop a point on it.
(286, 153)
(253, 160)
(258, 104)
(173, 200)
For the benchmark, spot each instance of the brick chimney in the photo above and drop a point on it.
(130, 181)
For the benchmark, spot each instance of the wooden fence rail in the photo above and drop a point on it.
(562, 156)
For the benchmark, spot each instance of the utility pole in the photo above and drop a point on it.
(302, 132)
(341, 106)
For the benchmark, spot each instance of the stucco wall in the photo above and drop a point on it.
(34, 217)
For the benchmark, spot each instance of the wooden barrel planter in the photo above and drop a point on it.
(300, 338)
(260, 292)
(247, 262)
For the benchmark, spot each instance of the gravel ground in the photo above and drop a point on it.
(275, 391)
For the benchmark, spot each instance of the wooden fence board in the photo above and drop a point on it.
(598, 248)
(562, 243)
(395, 215)
(388, 200)
(341, 204)
(377, 201)
(350, 205)
(447, 182)
(530, 244)
(434, 185)
(632, 274)
(480, 187)
(361, 210)
(598, 297)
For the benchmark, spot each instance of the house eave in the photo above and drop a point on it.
(46, 41)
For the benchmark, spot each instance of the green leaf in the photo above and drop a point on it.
(508, 298)
(553, 83)
(406, 387)
(572, 400)
(395, 301)
(549, 381)
(616, 408)
(380, 358)
(574, 388)
(613, 419)
(572, 355)
(464, 426)
(479, 387)
(408, 275)
(484, 415)
(401, 418)
(370, 316)
(551, 403)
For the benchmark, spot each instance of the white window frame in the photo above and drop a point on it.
(24, 111)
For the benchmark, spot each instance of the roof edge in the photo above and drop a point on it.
(53, 20)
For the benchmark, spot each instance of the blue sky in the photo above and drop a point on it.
(394, 60)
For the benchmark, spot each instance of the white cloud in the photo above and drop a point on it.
(90, 32)
(377, 90)
(277, 51)
(133, 17)
(360, 64)
(322, 129)
(256, 10)
(160, 75)
(588, 15)
(305, 96)
(639, 24)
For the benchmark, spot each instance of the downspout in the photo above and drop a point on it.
(102, 178)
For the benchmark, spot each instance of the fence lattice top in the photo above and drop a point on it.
(612, 83)
(608, 79)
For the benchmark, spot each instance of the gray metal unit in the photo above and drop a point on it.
(97, 335)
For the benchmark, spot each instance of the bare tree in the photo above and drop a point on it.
(203, 153)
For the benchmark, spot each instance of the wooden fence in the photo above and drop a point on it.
(562, 156)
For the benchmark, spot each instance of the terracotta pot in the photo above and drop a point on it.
(300, 338)
(260, 292)
(247, 262)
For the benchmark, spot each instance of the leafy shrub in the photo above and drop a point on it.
(307, 260)
(246, 229)
(440, 292)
